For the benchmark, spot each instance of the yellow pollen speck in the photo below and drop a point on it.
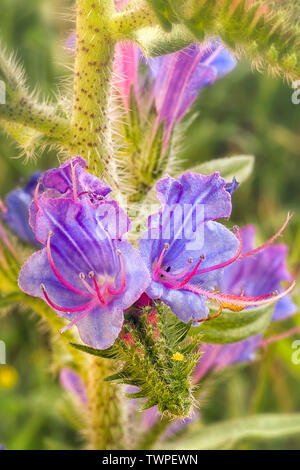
(232, 307)
(177, 357)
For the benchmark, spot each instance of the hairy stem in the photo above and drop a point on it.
(151, 437)
(131, 19)
(105, 411)
(91, 120)
(31, 115)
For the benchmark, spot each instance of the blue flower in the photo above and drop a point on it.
(15, 212)
(179, 77)
(87, 272)
(258, 274)
(186, 251)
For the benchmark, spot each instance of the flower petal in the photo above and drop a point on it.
(101, 327)
(61, 179)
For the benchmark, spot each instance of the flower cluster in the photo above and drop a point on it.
(90, 274)
(87, 271)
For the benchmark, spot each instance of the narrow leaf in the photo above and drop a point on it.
(264, 427)
(230, 327)
(240, 166)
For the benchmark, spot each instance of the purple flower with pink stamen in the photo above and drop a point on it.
(72, 178)
(187, 269)
(258, 274)
(88, 272)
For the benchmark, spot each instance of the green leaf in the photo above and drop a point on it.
(264, 427)
(267, 35)
(230, 327)
(163, 12)
(240, 166)
(109, 353)
(154, 41)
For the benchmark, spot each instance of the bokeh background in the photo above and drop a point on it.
(244, 113)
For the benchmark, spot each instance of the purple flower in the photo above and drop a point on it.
(72, 382)
(87, 272)
(15, 211)
(178, 78)
(186, 251)
(175, 79)
(71, 178)
(260, 273)
(257, 274)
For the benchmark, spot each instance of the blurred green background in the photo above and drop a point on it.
(244, 113)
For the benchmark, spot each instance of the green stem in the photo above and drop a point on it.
(152, 436)
(131, 19)
(29, 114)
(105, 410)
(91, 119)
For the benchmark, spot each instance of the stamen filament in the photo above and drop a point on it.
(36, 194)
(228, 262)
(101, 300)
(75, 321)
(57, 273)
(211, 317)
(113, 291)
(73, 168)
(179, 275)
(62, 309)
(187, 279)
(240, 300)
(3, 207)
(270, 241)
(159, 262)
(86, 284)
(286, 334)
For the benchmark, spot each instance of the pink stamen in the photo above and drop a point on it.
(187, 279)
(241, 301)
(104, 288)
(86, 284)
(286, 334)
(3, 207)
(270, 241)
(57, 273)
(82, 193)
(159, 262)
(75, 321)
(73, 168)
(228, 262)
(113, 291)
(179, 275)
(62, 309)
(99, 295)
(36, 194)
